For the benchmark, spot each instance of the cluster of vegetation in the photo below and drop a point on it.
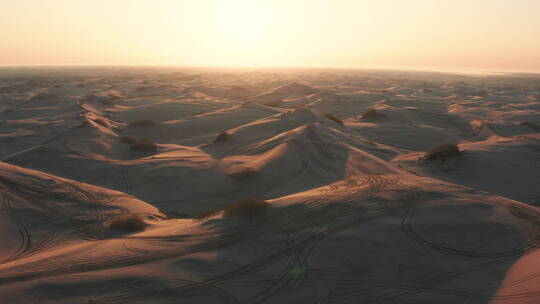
(129, 223)
(207, 214)
(143, 123)
(101, 121)
(128, 139)
(140, 144)
(84, 123)
(443, 152)
(246, 208)
(334, 118)
(245, 173)
(144, 144)
(221, 137)
(371, 114)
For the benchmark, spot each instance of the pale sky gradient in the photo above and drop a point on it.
(483, 34)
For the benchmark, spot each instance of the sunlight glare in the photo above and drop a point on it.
(244, 32)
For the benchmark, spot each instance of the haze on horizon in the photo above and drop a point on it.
(458, 34)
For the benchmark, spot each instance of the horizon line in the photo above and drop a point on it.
(442, 70)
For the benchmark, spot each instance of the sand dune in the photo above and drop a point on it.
(288, 91)
(353, 211)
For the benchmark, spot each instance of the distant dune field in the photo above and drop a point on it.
(148, 185)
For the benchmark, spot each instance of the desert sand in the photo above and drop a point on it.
(355, 211)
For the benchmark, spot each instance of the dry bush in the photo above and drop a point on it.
(245, 173)
(530, 125)
(482, 93)
(130, 223)
(128, 139)
(246, 208)
(371, 114)
(143, 123)
(221, 137)
(275, 104)
(207, 214)
(443, 152)
(144, 144)
(334, 118)
(101, 121)
(83, 124)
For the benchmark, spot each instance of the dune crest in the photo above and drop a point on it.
(134, 185)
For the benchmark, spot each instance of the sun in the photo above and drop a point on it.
(242, 32)
(244, 22)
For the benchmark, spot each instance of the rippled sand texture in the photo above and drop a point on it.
(356, 214)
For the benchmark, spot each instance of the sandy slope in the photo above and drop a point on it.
(355, 216)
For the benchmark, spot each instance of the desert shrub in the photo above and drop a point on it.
(245, 173)
(334, 118)
(144, 144)
(275, 104)
(223, 136)
(131, 223)
(143, 123)
(83, 124)
(128, 139)
(443, 152)
(101, 121)
(248, 207)
(371, 114)
(530, 125)
(207, 214)
(482, 93)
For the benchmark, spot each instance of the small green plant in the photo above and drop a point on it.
(144, 144)
(143, 123)
(334, 118)
(443, 152)
(130, 223)
(221, 137)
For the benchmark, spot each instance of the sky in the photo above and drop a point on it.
(490, 35)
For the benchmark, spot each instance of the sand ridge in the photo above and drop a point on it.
(355, 213)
